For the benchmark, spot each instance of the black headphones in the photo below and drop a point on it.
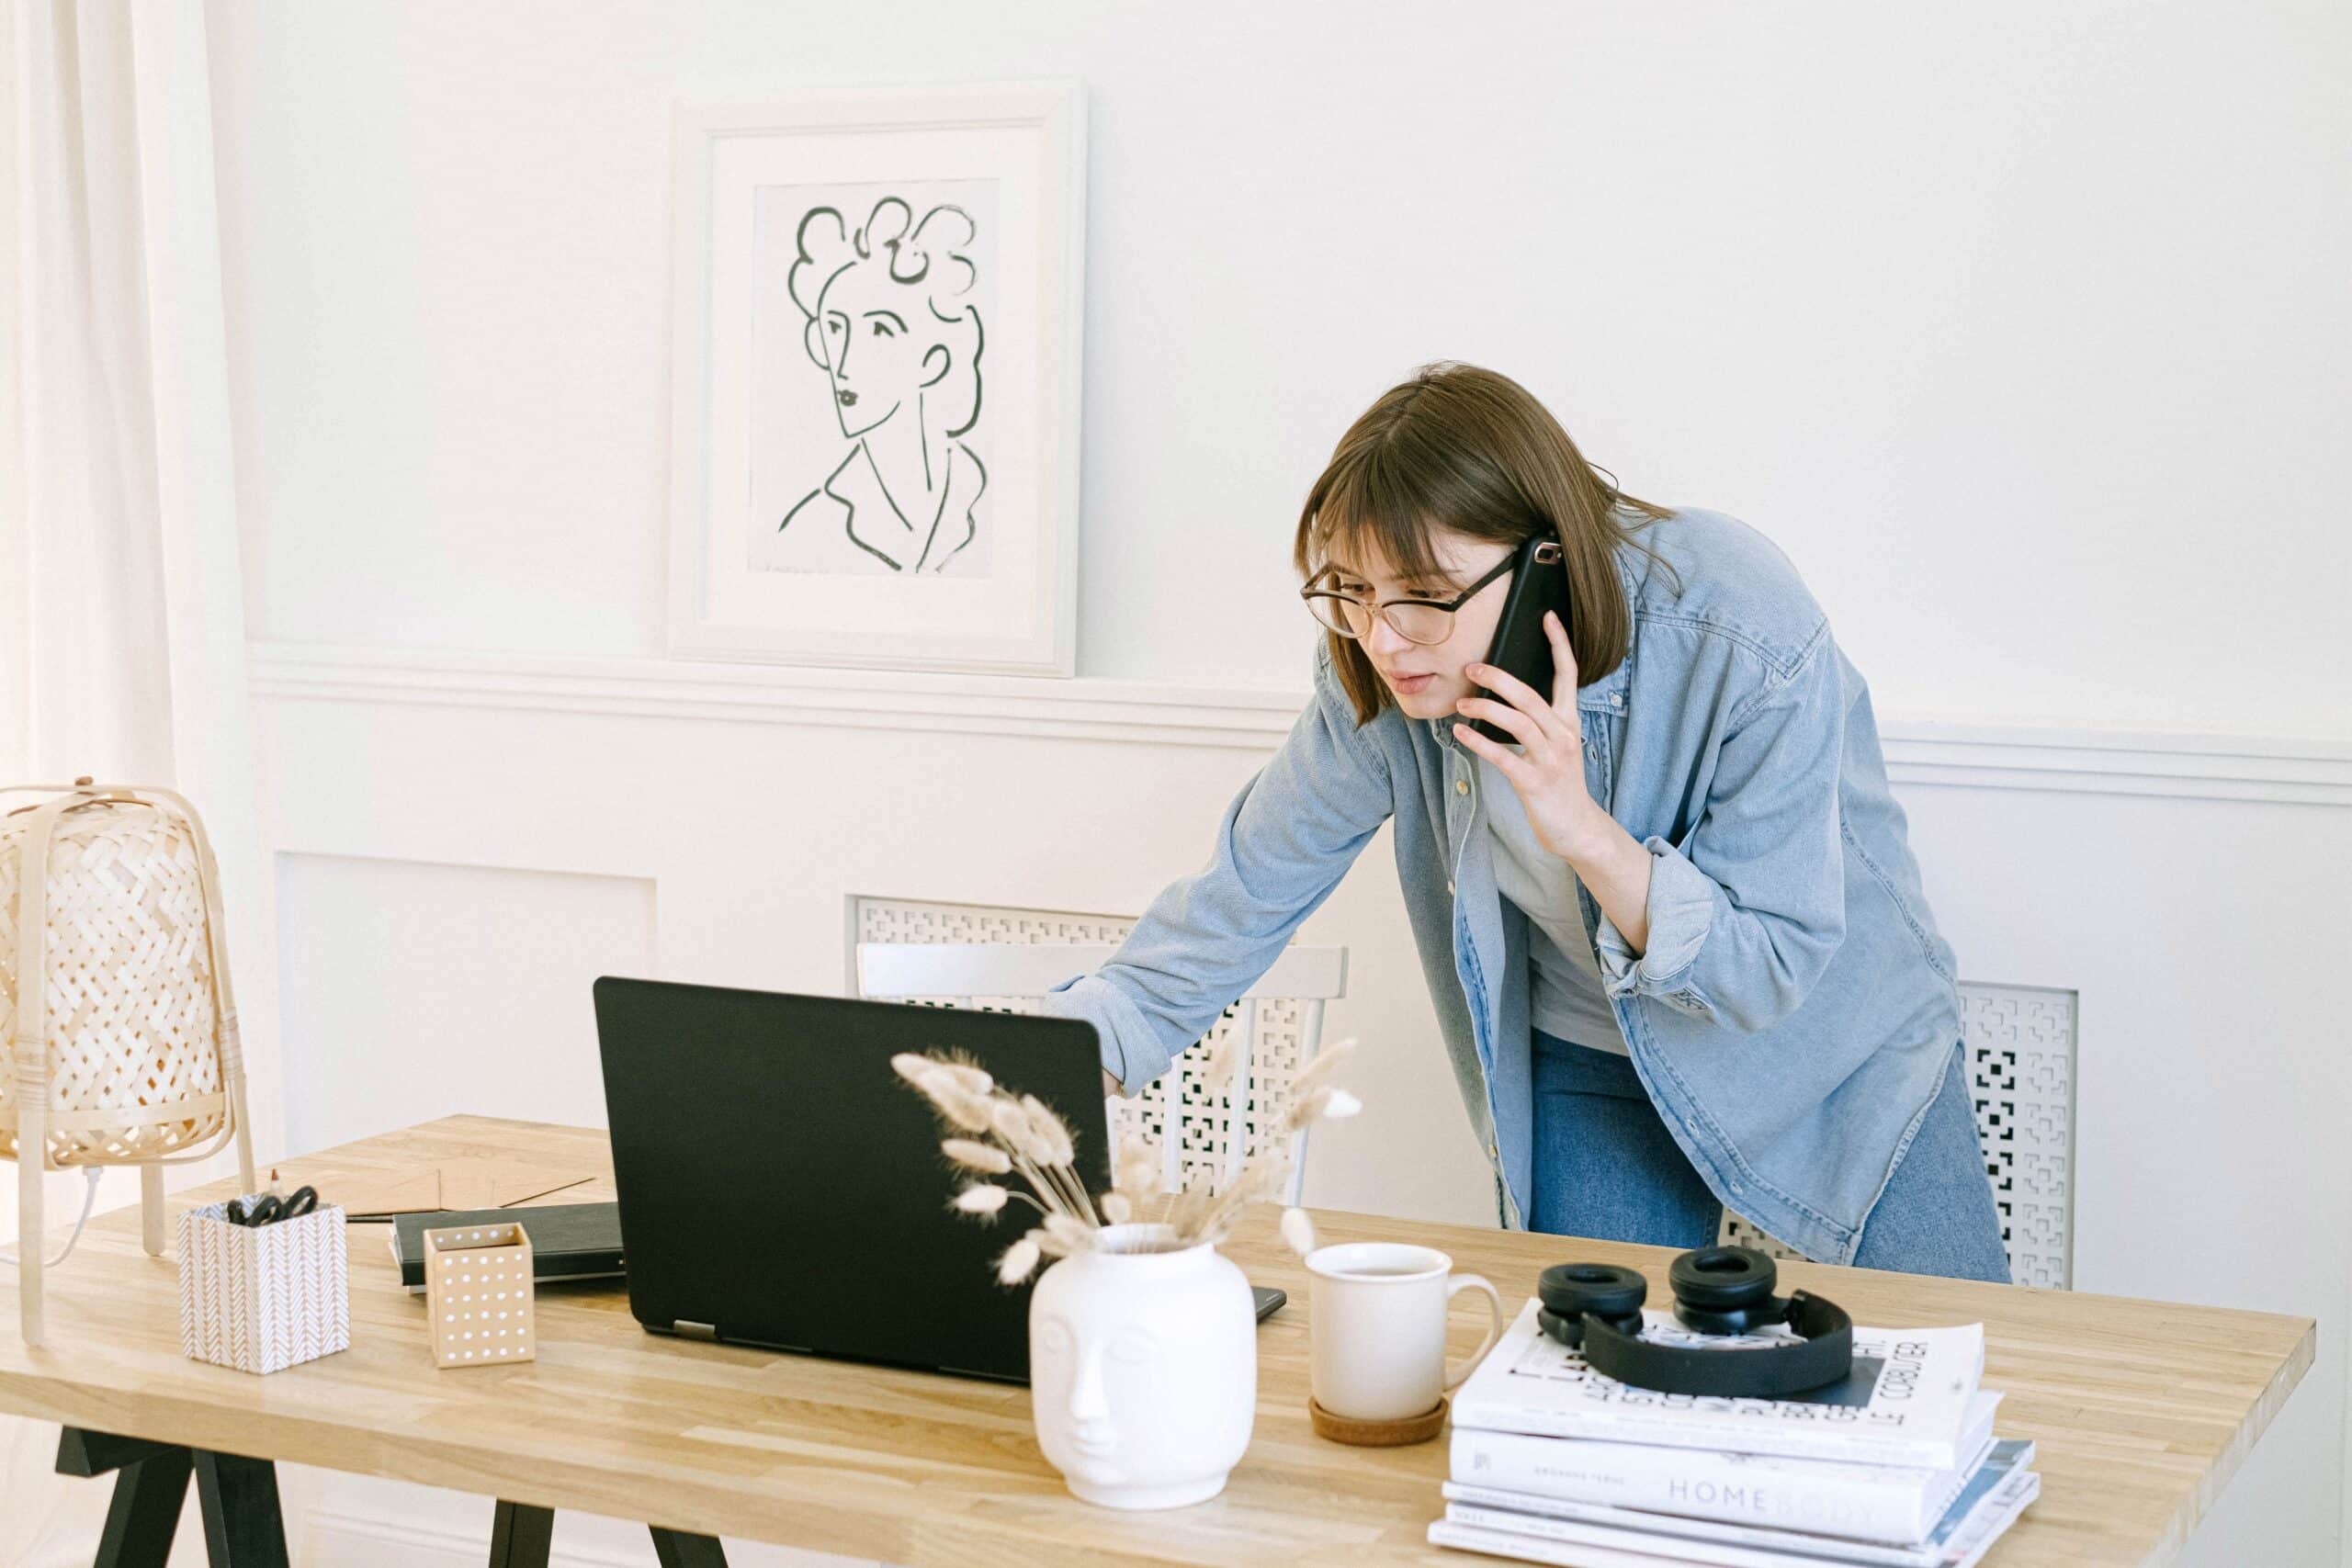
(1597, 1308)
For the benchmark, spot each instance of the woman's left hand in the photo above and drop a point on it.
(1548, 771)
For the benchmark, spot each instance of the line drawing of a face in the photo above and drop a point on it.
(876, 360)
(891, 319)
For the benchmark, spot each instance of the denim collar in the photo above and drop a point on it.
(1608, 694)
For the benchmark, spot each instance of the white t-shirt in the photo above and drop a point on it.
(1565, 999)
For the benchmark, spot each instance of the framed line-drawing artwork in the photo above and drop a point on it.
(876, 306)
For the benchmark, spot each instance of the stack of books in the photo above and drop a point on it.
(1898, 1465)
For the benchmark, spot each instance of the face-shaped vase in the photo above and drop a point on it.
(1143, 1370)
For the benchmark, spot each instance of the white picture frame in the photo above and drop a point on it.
(877, 300)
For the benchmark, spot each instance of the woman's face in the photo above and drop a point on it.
(1427, 679)
(863, 334)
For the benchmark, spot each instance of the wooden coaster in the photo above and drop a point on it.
(1378, 1434)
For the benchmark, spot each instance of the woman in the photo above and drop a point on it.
(1674, 931)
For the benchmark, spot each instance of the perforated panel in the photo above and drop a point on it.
(1213, 1130)
(2022, 1069)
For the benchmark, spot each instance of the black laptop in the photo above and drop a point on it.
(780, 1186)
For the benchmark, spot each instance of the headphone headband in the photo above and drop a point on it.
(1596, 1307)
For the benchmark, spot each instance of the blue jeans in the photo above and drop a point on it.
(1607, 1168)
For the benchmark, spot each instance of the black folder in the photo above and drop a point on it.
(569, 1241)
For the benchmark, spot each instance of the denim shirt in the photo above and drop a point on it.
(1795, 1010)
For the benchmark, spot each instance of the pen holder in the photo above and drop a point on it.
(477, 1291)
(261, 1298)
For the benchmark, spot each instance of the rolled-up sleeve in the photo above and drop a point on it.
(1283, 845)
(1748, 913)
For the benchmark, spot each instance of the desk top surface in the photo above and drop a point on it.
(2143, 1409)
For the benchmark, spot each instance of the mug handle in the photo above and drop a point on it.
(1455, 1287)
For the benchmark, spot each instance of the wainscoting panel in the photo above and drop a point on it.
(415, 990)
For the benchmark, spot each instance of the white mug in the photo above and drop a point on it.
(1376, 1326)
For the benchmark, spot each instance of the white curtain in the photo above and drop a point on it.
(122, 642)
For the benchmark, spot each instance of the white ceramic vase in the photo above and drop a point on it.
(1143, 1370)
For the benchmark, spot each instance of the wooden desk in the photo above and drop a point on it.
(2143, 1411)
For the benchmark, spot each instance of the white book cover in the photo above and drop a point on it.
(1896, 1504)
(1571, 1545)
(1905, 1402)
(1975, 1515)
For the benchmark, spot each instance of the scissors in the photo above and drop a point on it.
(271, 1207)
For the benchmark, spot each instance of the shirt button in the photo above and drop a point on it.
(1448, 886)
(1493, 1153)
(1462, 786)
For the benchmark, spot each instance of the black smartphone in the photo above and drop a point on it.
(1539, 582)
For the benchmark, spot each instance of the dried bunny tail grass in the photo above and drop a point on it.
(1074, 1235)
(1019, 1261)
(1116, 1208)
(1185, 1213)
(978, 1157)
(1032, 1154)
(1326, 1101)
(970, 1112)
(1010, 1124)
(1053, 1134)
(970, 1075)
(1258, 1181)
(947, 1096)
(1298, 1230)
(1224, 1057)
(1137, 1173)
(982, 1197)
(1317, 1073)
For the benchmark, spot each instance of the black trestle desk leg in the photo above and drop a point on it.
(522, 1536)
(149, 1485)
(678, 1549)
(243, 1528)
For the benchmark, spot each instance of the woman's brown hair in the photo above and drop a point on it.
(1471, 451)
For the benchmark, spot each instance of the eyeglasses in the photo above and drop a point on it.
(1424, 621)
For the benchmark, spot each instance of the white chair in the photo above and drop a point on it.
(1276, 1026)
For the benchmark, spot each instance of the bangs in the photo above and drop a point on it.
(1365, 517)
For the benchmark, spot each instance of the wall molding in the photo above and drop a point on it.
(2076, 758)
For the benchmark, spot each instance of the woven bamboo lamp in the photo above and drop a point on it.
(118, 1030)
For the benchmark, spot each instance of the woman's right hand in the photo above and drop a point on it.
(1110, 1085)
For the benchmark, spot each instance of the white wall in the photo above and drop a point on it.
(2022, 328)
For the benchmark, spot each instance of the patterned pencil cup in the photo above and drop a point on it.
(117, 1024)
(478, 1289)
(262, 1298)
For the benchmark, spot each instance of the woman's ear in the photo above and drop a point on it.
(812, 338)
(946, 361)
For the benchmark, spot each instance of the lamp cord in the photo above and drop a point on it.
(91, 1174)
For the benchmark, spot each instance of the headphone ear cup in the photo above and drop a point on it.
(1722, 1279)
(1603, 1290)
(1726, 1290)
